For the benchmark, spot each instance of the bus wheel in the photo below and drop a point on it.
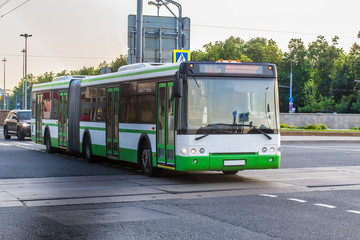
(49, 149)
(146, 161)
(230, 172)
(6, 133)
(87, 150)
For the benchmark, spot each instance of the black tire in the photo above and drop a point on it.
(6, 133)
(20, 134)
(146, 161)
(230, 172)
(49, 148)
(87, 150)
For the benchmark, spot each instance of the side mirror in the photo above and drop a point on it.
(178, 85)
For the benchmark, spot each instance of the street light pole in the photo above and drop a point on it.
(180, 22)
(139, 24)
(4, 60)
(23, 79)
(157, 4)
(26, 36)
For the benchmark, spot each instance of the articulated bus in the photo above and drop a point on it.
(193, 116)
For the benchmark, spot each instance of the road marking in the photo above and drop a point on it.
(268, 195)
(297, 200)
(353, 211)
(324, 205)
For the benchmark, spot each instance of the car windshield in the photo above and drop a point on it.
(230, 105)
(24, 115)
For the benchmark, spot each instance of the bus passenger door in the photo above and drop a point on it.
(39, 110)
(63, 119)
(112, 123)
(165, 126)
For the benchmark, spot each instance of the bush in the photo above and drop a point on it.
(283, 125)
(316, 127)
(355, 128)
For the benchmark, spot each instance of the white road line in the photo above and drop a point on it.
(297, 200)
(268, 195)
(324, 205)
(353, 211)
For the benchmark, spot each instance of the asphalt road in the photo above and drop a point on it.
(320, 154)
(313, 196)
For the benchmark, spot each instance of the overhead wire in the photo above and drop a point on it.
(48, 56)
(22, 4)
(267, 30)
(4, 3)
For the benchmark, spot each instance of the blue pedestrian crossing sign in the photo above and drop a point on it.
(181, 56)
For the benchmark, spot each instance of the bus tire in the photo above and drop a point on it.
(49, 148)
(230, 172)
(6, 133)
(87, 150)
(146, 161)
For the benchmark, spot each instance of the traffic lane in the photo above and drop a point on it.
(24, 159)
(326, 154)
(279, 217)
(242, 217)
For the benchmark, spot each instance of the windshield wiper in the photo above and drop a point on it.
(257, 129)
(228, 131)
(218, 130)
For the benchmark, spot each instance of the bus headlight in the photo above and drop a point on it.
(264, 149)
(272, 149)
(193, 151)
(184, 151)
(202, 150)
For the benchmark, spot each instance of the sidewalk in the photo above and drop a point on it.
(308, 139)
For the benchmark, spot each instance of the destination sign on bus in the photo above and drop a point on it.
(232, 69)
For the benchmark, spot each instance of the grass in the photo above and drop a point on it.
(315, 130)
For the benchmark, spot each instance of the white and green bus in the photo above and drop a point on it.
(193, 116)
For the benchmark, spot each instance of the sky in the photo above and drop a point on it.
(71, 34)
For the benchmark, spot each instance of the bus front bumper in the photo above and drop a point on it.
(227, 162)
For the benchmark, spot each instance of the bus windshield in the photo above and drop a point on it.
(230, 105)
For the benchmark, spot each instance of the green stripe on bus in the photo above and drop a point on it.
(51, 85)
(137, 131)
(51, 124)
(93, 128)
(131, 74)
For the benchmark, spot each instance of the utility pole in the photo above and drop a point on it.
(139, 26)
(4, 60)
(26, 36)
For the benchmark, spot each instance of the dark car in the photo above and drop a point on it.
(18, 123)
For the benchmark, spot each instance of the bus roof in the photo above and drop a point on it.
(133, 72)
(125, 73)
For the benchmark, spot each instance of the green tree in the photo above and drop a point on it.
(263, 50)
(231, 48)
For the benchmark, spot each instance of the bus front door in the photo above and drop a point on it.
(39, 110)
(112, 123)
(165, 126)
(62, 121)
